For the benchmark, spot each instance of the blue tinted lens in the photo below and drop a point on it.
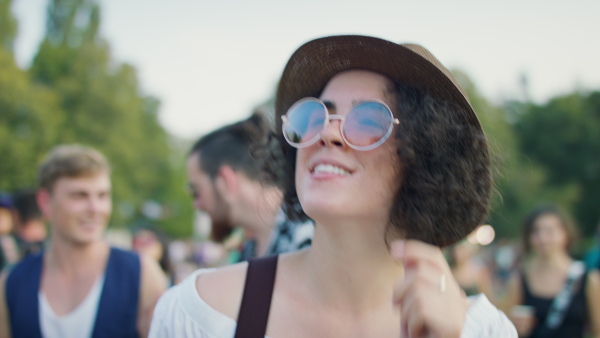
(305, 121)
(367, 123)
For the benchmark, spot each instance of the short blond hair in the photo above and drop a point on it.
(70, 160)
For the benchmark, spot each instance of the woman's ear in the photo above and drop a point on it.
(227, 182)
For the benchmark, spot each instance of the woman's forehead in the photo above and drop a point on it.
(356, 86)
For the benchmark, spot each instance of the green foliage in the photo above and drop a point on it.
(8, 25)
(28, 123)
(563, 136)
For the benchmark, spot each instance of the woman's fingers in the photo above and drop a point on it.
(430, 300)
(412, 251)
(418, 278)
(423, 263)
(419, 297)
(412, 316)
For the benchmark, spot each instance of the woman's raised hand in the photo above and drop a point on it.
(431, 302)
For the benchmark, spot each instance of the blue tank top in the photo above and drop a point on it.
(117, 309)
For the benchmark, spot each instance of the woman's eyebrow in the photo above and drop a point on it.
(331, 106)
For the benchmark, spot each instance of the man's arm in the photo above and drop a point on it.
(152, 285)
(4, 323)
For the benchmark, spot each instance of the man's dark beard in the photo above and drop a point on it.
(220, 230)
(222, 226)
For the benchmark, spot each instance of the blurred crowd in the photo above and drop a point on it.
(241, 207)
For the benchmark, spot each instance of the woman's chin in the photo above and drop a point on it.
(324, 211)
(549, 252)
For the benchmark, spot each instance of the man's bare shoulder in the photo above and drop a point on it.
(4, 322)
(3, 276)
(222, 288)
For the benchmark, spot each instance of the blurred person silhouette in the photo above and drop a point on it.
(592, 257)
(551, 294)
(379, 146)
(470, 270)
(30, 228)
(505, 257)
(228, 184)
(9, 252)
(80, 286)
(152, 242)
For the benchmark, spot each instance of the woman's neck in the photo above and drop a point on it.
(350, 267)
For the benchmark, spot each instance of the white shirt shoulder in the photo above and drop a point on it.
(485, 320)
(181, 312)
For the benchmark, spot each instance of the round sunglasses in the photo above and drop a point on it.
(366, 126)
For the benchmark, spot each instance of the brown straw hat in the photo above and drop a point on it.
(317, 61)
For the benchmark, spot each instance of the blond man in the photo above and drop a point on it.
(79, 286)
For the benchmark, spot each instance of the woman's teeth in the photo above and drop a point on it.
(330, 169)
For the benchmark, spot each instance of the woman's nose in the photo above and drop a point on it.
(331, 133)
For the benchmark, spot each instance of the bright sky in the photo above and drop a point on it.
(211, 61)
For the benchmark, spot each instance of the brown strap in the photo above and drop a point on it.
(256, 300)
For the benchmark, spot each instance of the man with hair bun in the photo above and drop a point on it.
(79, 286)
(228, 183)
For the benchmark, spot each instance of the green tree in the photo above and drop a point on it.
(28, 114)
(102, 105)
(563, 136)
(8, 25)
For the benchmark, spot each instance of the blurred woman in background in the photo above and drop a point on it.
(469, 270)
(551, 295)
(152, 242)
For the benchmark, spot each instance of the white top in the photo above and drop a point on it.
(78, 323)
(181, 312)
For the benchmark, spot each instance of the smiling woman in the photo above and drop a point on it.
(390, 161)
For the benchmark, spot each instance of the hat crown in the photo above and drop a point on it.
(426, 54)
(317, 61)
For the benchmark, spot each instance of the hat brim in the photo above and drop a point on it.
(316, 62)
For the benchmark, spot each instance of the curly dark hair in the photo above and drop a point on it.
(446, 182)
